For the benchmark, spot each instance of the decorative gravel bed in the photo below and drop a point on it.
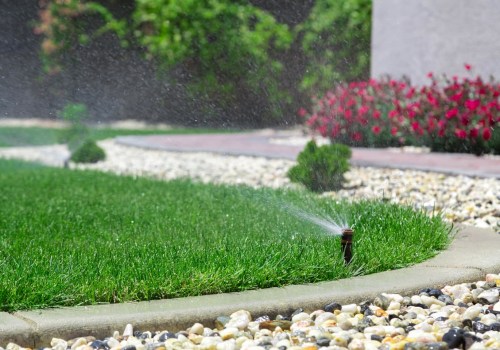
(463, 316)
(461, 199)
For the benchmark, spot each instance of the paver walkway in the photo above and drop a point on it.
(259, 144)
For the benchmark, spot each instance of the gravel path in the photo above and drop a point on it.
(460, 199)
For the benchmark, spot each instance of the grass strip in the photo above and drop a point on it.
(82, 237)
(37, 136)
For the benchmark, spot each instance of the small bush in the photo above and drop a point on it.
(321, 168)
(88, 152)
(77, 132)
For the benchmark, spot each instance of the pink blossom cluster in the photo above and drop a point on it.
(389, 112)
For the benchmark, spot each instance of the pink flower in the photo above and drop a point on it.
(302, 112)
(376, 114)
(486, 134)
(393, 113)
(472, 105)
(376, 129)
(468, 67)
(363, 110)
(457, 97)
(323, 130)
(461, 134)
(394, 131)
(451, 113)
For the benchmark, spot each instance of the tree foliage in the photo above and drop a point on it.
(231, 53)
(336, 43)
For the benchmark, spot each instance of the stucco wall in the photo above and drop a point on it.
(415, 37)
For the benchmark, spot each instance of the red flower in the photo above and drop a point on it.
(461, 134)
(323, 130)
(430, 75)
(451, 113)
(473, 133)
(376, 129)
(302, 112)
(472, 105)
(393, 113)
(348, 114)
(468, 67)
(457, 97)
(357, 136)
(486, 134)
(394, 131)
(363, 110)
(376, 114)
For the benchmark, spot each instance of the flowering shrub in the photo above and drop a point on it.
(451, 115)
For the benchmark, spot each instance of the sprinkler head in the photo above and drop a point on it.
(346, 244)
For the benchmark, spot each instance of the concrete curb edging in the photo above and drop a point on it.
(472, 254)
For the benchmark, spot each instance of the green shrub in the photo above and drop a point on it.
(77, 132)
(321, 168)
(335, 39)
(88, 152)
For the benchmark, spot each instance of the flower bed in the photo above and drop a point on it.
(449, 115)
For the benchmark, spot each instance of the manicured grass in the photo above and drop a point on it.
(81, 237)
(27, 136)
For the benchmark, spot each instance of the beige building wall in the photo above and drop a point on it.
(415, 37)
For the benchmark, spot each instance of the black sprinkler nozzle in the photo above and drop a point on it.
(346, 244)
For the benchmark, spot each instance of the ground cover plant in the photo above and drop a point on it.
(82, 237)
(37, 136)
(449, 115)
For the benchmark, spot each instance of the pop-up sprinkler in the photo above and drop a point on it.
(346, 244)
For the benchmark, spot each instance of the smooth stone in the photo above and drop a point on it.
(320, 319)
(472, 312)
(445, 299)
(128, 331)
(426, 346)
(221, 321)
(301, 316)
(381, 301)
(480, 327)
(350, 308)
(197, 328)
(454, 338)
(272, 325)
(264, 318)
(296, 312)
(99, 344)
(228, 333)
(490, 296)
(129, 347)
(323, 342)
(167, 335)
(331, 307)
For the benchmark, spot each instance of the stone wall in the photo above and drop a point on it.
(415, 37)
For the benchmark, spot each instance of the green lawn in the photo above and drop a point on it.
(81, 237)
(27, 136)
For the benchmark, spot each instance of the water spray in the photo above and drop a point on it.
(346, 244)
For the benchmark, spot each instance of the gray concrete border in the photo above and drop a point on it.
(472, 254)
